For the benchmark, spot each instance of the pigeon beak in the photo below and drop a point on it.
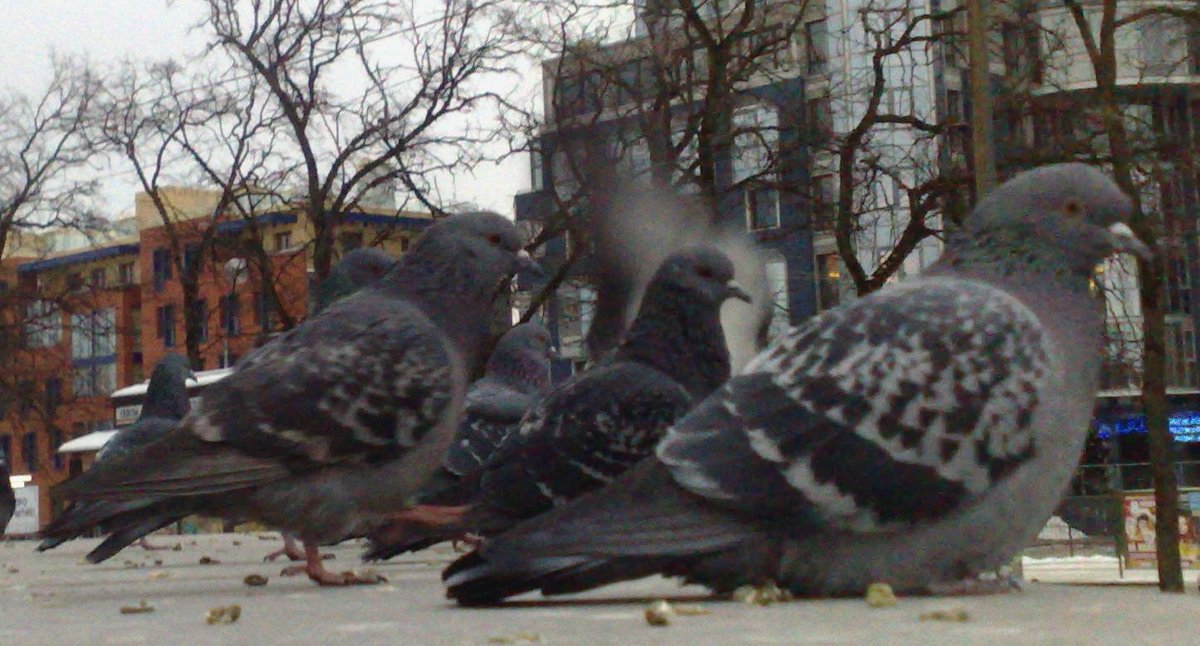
(525, 262)
(191, 375)
(1122, 239)
(734, 290)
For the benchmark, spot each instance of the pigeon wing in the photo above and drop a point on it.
(898, 409)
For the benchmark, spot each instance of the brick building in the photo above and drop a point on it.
(87, 315)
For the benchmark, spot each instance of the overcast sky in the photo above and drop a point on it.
(109, 30)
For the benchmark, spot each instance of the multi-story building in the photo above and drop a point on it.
(92, 314)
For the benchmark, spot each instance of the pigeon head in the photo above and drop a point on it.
(363, 266)
(357, 269)
(703, 273)
(521, 357)
(166, 396)
(678, 325)
(1063, 214)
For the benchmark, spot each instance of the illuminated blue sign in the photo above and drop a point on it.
(1184, 426)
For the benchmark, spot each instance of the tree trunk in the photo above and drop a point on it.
(1154, 404)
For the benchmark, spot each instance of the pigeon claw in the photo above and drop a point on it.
(315, 569)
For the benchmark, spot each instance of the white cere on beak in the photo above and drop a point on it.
(1122, 230)
(524, 255)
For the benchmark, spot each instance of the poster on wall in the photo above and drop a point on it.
(25, 517)
(1140, 515)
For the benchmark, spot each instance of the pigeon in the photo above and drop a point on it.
(918, 436)
(328, 430)
(604, 420)
(8, 500)
(166, 402)
(516, 376)
(357, 269)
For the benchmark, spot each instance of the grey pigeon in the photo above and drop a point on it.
(517, 375)
(918, 436)
(602, 421)
(165, 403)
(328, 430)
(8, 500)
(357, 269)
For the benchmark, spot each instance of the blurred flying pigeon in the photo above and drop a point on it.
(604, 420)
(329, 430)
(8, 500)
(918, 436)
(517, 375)
(165, 403)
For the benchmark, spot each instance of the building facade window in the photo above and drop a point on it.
(762, 208)
(29, 450)
(161, 261)
(94, 334)
(283, 241)
(93, 353)
(165, 328)
(264, 311)
(53, 393)
(97, 278)
(824, 202)
(350, 240)
(816, 40)
(829, 276)
(1181, 353)
(776, 271)
(125, 274)
(201, 320)
(231, 321)
(43, 324)
(56, 440)
(191, 254)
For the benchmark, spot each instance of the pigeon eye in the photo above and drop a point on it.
(1072, 208)
(494, 238)
(704, 272)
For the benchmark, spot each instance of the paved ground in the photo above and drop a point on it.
(55, 598)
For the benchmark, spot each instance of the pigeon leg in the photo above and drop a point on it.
(432, 514)
(150, 547)
(315, 569)
(291, 550)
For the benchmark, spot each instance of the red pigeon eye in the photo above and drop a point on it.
(704, 272)
(494, 238)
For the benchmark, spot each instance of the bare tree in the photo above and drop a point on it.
(401, 118)
(44, 156)
(46, 184)
(893, 144)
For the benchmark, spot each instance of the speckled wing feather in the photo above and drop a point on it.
(491, 412)
(580, 437)
(895, 410)
(364, 385)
